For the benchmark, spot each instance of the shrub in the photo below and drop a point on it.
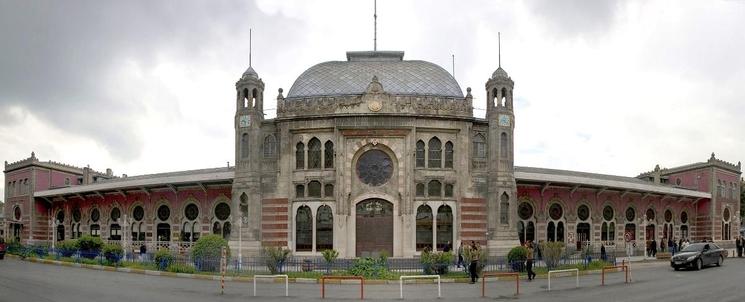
(163, 258)
(516, 257)
(67, 248)
(89, 246)
(552, 253)
(330, 257)
(207, 252)
(113, 252)
(275, 257)
(373, 268)
(436, 262)
(181, 268)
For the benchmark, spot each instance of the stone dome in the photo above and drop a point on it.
(250, 73)
(398, 77)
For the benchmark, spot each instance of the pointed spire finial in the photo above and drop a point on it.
(499, 48)
(375, 25)
(453, 65)
(249, 47)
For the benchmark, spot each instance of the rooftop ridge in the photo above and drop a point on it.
(163, 174)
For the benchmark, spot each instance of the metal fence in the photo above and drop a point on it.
(293, 264)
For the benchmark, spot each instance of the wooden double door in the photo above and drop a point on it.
(374, 227)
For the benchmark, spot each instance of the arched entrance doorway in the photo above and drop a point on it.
(374, 227)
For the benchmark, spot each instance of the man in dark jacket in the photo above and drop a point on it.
(739, 243)
(653, 250)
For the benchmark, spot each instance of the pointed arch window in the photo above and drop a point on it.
(303, 230)
(314, 154)
(244, 207)
(245, 98)
(270, 146)
(314, 189)
(420, 154)
(300, 156)
(504, 208)
(244, 145)
(324, 229)
(419, 190)
(328, 155)
(435, 153)
(254, 96)
(503, 145)
(449, 155)
(423, 227)
(444, 226)
(479, 146)
(434, 188)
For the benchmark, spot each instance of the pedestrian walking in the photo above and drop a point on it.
(654, 248)
(529, 262)
(603, 255)
(143, 253)
(739, 243)
(474, 262)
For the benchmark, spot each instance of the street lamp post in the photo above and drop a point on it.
(240, 242)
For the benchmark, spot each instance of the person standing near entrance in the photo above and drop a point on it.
(529, 261)
(653, 248)
(739, 245)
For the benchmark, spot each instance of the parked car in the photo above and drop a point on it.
(698, 255)
(2, 248)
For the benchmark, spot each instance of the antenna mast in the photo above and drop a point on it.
(249, 47)
(375, 25)
(453, 65)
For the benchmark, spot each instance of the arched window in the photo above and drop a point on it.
(449, 155)
(420, 154)
(726, 232)
(503, 99)
(420, 190)
(245, 98)
(244, 207)
(435, 153)
(504, 208)
(444, 227)
(555, 229)
(303, 230)
(95, 228)
(222, 224)
(684, 225)
(314, 189)
(138, 233)
(435, 188)
(503, 145)
(254, 96)
(300, 156)
(61, 225)
(328, 155)
(314, 154)
(328, 190)
(448, 190)
(606, 232)
(299, 191)
(189, 233)
(244, 145)
(479, 146)
(495, 97)
(526, 226)
(270, 146)
(324, 229)
(423, 227)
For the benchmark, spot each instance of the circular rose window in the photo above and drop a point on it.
(164, 213)
(76, 215)
(555, 211)
(525, 211)
(95, 215)
(374, 167)
(191, 212)
(630, 214)
(668, 216)
(608, 213)
(583, 212)
(115, 214)
(138, 213)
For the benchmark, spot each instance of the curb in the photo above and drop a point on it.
(290, 280)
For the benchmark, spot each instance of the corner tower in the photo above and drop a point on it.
(502, 192)
(246, 192)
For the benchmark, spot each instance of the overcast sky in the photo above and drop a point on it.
(601, 86)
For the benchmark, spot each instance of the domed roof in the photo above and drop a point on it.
(500, 73)
(397, 76)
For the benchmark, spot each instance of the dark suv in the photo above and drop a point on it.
(2, 248)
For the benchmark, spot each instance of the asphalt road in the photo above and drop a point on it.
(25, 281)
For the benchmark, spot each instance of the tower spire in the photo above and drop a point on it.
(249, 47)
(375, 25)
(453, 65)
(499, 48)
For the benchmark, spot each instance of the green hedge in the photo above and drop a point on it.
(113, 252)
(163, 259)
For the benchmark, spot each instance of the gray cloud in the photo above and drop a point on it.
(575, 17)
(56, 56)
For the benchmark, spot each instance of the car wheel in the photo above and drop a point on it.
(720, 261)
(676, 268)
(699, 264)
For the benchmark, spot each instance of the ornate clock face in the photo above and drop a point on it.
(244, 121)
(504, 120)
